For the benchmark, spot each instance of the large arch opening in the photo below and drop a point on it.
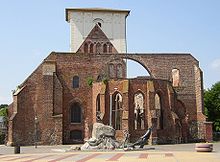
(136, 69)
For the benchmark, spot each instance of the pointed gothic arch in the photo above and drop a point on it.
(98, 108)
(86, 48)
(119, 71)
(105, 48)
(98, 48)
(139, 110)
(117, 111)
(136, 69)
(91, 48)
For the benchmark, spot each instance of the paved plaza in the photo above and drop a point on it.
(159, 153)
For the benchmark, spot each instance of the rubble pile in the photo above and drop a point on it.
(103, 138)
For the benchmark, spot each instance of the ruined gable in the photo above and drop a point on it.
(97, 42)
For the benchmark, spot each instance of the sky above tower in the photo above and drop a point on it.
(30, 30)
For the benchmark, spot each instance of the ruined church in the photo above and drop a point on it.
(69, 91)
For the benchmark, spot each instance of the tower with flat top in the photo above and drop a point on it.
(111, 22)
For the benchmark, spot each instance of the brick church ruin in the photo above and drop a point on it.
(69, 91)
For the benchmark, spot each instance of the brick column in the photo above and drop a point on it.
(154, 138)
(152, 119)
(208, 131)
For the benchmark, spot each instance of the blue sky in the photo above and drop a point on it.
(31, 29)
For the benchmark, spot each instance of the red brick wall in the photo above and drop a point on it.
(50, 95)
(208, 131)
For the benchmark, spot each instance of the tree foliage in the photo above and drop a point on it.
(212, 105)
(3, 110)
(3, 106)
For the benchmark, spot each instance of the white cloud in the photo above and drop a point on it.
(216, 64)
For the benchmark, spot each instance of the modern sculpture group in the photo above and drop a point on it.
(103, 138)
(142, 140)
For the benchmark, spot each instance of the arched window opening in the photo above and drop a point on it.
(98, 48)
(110, 48)
(117, 112)
(139, 111)
(104, 48)
(75, 82)
(135, 69)
(85, 48)
(119, 71)
(111, 70)
(98, 109)
(75, 113)
(76, 135)
(98, 21)
(175, 77)
(159, 111)
(91, 48)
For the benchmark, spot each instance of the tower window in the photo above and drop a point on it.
(99, 24)
(98, 21)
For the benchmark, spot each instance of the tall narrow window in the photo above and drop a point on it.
(75, 82)
(159, 111)
(91, 48)
(119, 71)
(98, 108)
(98, 48)
(75, 113)
(117, 111)
(104, 48)
(85, 48)
(110, 48)
(111, 70)
(139, 111)
(175, 77)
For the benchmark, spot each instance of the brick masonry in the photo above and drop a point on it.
(48, 95)
(43, 104)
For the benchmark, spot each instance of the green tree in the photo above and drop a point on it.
(3, 110)
(3, 106)
(212, 105)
